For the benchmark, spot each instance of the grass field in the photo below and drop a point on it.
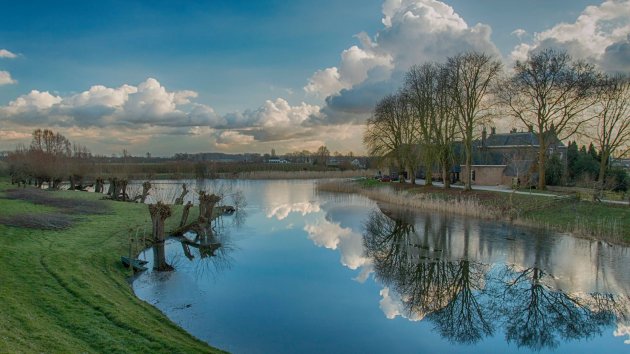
(66, 292)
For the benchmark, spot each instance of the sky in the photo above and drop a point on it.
(239, 76)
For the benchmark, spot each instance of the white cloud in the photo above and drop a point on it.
(414, 31)
(148, 104)
(519, 33)
(7, 54)
(598, 33)
(6, 79)
(325, 82)
(230, 138)
(33, 101)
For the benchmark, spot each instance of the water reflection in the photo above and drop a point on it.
(429, 283)
(441, 271)
(206, 246)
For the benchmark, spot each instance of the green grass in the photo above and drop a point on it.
(583, 218)
(66, 292)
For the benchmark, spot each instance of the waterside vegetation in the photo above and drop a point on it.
(562, 212)
(63, 287)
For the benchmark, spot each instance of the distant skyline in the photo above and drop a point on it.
(235, 76)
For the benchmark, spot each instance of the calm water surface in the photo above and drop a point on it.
(307, 272)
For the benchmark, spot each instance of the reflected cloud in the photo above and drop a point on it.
(392, 306)
(623, 330)
(280, 212)
(333, 236)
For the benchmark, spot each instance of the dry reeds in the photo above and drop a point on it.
(461, 206)
(304, 174)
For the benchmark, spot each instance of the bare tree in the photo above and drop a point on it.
(322, 155)
(390, 133)
(420, 82)
(612, 121)
(472, 75)
(552, 94)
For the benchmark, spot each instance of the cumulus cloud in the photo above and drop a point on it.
(6, 79)
(599, 34)
(519, 33)
(414, 31)
(7, 54)
(231, 138)
(148, 104)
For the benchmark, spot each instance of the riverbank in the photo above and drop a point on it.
(63, 287)
(562, 213)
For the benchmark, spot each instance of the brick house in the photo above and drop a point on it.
(510, 158)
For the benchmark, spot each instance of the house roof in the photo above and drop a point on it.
(512, 139)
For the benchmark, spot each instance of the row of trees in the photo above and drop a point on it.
(50, 158)
(552, 94)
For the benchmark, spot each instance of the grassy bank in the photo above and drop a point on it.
(563, 213)
(64, 290)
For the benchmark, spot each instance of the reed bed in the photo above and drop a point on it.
(604, 229)
(302, 174)
(466, 206)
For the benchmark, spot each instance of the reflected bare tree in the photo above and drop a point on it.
(446, 292)
(537, 316)
(466, 300)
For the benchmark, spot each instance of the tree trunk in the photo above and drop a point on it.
(98, 185)
(445, 177)
(541, 165)
(185, 214)
(468, 177)
(206, 207)
(146, 186)
(159, 213)
(123, 190)
(180, 200)
(111, 191)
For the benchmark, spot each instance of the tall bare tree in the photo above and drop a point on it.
(551, 93)
(428, 91)
(390, 133)
(420, 92)
(612, 120)
(472, 75)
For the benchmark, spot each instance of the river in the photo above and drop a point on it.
(305, 272)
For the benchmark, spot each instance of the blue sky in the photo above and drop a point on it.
(250, 76)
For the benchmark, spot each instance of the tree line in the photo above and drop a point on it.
(444, 103)
(50, 158)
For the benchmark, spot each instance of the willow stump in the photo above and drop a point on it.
(98, 185)
(111, 191)
(180, 199)
(122, 191)
(159, 213)
(185, 214)
(146, 186)
(206, 207)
